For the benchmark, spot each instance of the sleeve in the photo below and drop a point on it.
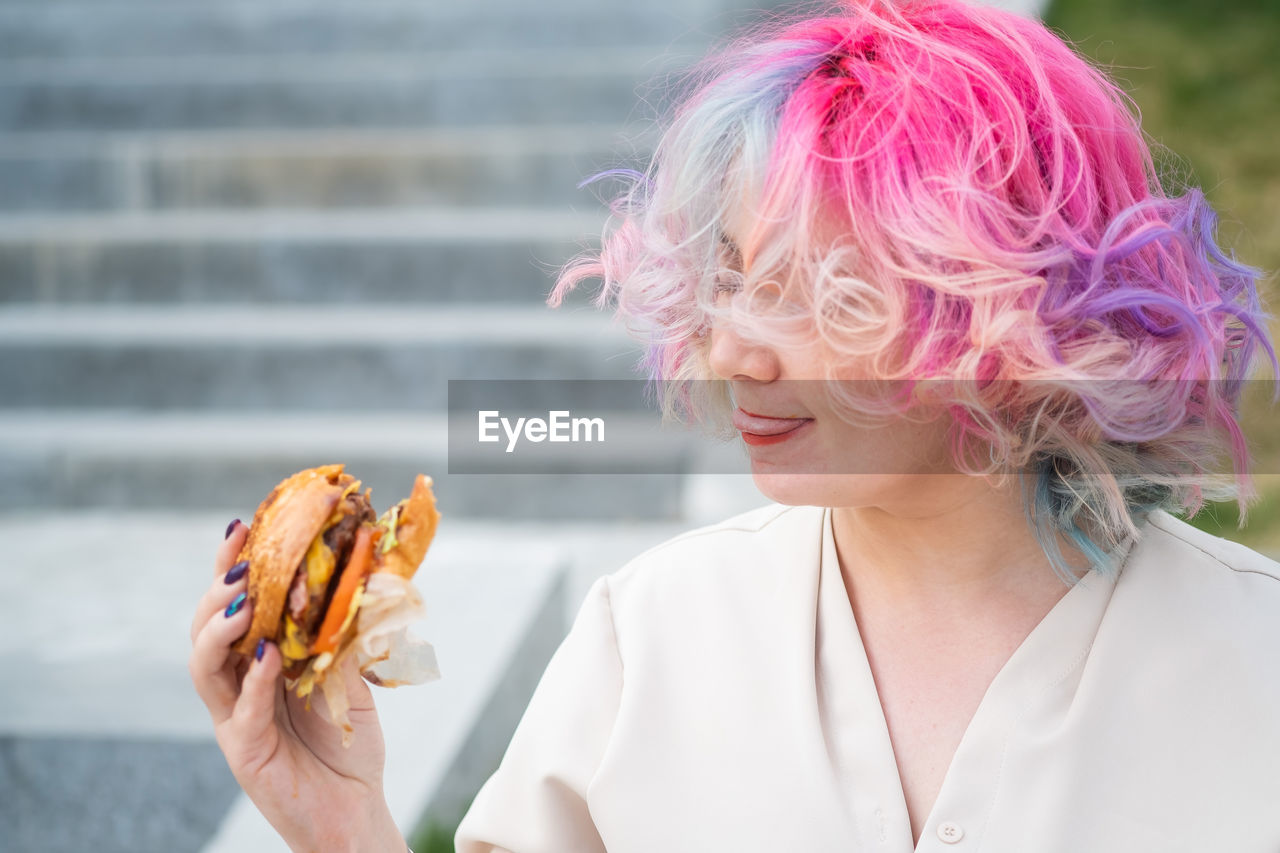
(536, 801)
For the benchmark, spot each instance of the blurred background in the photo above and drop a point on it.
(242, 238)
(1206, 78)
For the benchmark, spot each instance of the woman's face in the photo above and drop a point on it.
(802, 452)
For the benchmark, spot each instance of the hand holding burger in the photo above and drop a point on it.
(310, 598)
(329, 579)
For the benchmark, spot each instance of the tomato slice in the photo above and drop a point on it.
(357, 567)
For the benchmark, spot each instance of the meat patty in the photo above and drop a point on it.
(307, 610)
(340, 537)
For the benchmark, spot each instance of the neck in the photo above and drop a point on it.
(949, 541)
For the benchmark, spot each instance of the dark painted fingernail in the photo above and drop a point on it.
(236, 603)
(237, 571)
(262, 647)
(231, 528)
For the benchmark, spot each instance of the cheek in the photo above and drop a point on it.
(807, 363)
(899, 448)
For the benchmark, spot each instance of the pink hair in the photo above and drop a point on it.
(948, 192)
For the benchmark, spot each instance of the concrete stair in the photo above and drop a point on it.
(43, 29)
(417, 255)
(240, 238)
(121, 461)
(477, 87)
(291, 358)
(462, 167)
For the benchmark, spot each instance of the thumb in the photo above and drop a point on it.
(254, 719)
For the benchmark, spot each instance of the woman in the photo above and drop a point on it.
(919, 258)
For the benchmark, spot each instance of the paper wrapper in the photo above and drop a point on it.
(386, 653)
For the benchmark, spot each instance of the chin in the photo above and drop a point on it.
(831, 490)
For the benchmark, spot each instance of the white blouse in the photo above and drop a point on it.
(714, 695)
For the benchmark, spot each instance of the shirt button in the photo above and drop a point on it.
(950, 832)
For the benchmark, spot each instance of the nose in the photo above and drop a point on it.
(733, 358)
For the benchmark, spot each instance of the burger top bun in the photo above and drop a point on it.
(282, 530)
(414, 531)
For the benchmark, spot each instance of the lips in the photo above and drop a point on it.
(766, 429)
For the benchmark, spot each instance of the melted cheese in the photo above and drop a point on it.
(292, 647)
(320, 562)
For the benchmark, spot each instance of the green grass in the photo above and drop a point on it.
(1206, 79)
(1263, 521)
(434, 839)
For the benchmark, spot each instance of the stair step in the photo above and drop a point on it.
(245, 358)
(129, 461)
(125, 29)
(465, 167)
(426, 90)
(419, 255)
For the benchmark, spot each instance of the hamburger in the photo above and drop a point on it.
(329, 578)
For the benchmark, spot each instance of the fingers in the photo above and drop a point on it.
(251, 726)
(211, 666)
(225, 570)
(219, 595)
(238, 531)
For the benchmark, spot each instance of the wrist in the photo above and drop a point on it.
(374, 831)
(382, 835)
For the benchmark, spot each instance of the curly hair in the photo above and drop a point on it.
(949, 197)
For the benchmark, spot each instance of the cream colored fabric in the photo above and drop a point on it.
(714, 696)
